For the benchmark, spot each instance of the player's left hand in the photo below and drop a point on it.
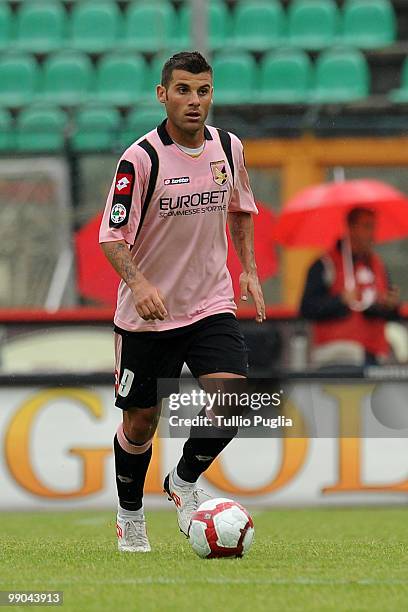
(249, 284)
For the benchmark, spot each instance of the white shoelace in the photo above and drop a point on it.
(135, 533)
(195, 500)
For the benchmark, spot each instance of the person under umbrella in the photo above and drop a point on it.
(348, 297)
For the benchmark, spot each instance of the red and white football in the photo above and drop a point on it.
(221, 528)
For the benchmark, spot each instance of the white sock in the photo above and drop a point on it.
(130, 514)
(179, 482)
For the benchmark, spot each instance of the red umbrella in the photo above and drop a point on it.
(315, 217)
(97, 279)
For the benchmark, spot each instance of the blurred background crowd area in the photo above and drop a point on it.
(317, 89)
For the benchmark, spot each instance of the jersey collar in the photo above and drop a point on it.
(165, 138)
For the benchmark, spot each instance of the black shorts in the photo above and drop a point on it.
(213, 344)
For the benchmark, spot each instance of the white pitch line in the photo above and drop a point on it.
(226, 581)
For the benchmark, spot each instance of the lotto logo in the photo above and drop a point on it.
(123, 184)
(180, 180)
(119, 531)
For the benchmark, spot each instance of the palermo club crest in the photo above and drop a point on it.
(219, 172)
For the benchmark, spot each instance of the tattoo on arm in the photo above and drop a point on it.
(242, 234)
(119, 256)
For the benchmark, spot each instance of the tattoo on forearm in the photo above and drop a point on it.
(242, 235)
(119, 256)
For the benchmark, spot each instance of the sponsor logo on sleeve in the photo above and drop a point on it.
(122, 194)
(123, 183)
(219, 172)
(118, 213)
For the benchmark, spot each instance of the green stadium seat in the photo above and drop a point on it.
(120, 79)
(313, 24)
(41, 129)
(369, 24)
(19, 79)
(6, 26)
(41, 26)
(235, 78)
(6, 131)
(149, 27)
(95, 26)
(285, 77)
(341, 75)
(258, 25)
(400, 96)
(140, 121)
(219, 25)
(153, 75)
(96, 129)
(67, 78)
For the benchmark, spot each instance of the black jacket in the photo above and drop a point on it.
(318, 304)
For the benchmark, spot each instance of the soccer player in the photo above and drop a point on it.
(164, 232)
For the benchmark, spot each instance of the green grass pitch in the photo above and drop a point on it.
(317, 559)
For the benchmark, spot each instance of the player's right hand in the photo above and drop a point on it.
(149, 301)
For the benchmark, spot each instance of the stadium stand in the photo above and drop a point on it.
(120, 79)
(368, 24)
(19, 75)
(313, 24)
(258, 25)
(67, 78)
(40, 129)
(149, 28)
(341, 75)
(279, 52)
(6, 25)
(95, 128)
(285, 77)
(40, 26)
(95, 26)
(235, 77)
(219, 22)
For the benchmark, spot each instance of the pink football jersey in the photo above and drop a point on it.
(171, 209)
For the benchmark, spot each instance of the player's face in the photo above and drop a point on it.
(187, 99)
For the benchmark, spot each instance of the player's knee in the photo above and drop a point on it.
(139, 425)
